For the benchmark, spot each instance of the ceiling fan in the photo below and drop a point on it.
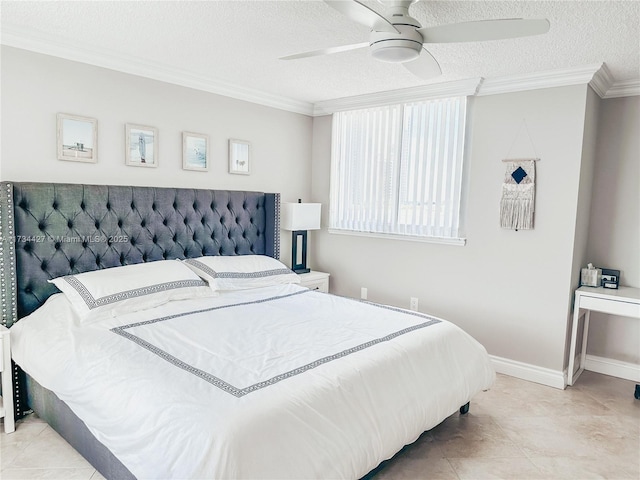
(397, 37)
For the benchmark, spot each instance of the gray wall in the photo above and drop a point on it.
(510, 290)
(614, 233)
(36, 87)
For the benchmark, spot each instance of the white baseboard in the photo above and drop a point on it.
(615, 368)
(558, 379)
(532, 373)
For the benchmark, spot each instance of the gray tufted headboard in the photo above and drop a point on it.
(49, 230)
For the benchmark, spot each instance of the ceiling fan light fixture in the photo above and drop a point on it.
(396, 51)
(396, 37)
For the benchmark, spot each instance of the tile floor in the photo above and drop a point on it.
(518, 430)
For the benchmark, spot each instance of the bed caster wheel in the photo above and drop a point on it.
(464, 409)
(637, 392)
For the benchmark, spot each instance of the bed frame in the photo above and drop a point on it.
(48, 230)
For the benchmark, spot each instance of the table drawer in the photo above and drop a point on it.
(320, 285)
(625, 309)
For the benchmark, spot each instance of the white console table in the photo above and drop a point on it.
(625, 301)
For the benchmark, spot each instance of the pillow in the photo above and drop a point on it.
(112, 291)
(239, 272)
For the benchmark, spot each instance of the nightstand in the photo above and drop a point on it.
(6, 400)
(315, 281)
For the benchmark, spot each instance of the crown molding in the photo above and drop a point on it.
(597, 76)
(438, 90)
(535, 81)
(602, 80)
(28, 39)
(605, 85)
(628, 88)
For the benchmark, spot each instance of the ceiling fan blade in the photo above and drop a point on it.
(485, 30)
(425, 66)
(326, 51)
(359, 12)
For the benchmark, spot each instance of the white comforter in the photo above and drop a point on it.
(277, 382)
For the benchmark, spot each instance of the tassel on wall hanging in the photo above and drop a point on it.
(517, 204)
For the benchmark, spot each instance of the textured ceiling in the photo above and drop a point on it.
(239, 42)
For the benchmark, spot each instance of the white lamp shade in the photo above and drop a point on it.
(301, 216)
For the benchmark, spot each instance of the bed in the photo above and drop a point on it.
(249, 375)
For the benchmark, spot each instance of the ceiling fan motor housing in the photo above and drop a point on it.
(396, 47)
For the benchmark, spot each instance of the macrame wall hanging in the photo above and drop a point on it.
(517, 205)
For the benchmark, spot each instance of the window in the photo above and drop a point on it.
(397, 169)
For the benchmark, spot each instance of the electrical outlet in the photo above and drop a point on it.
(413, 304)
(363, 293)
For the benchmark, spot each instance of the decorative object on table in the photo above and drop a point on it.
(141, 145)
(517, 204)
(590, 276)
(610, 278)
(77, 138)
(298, 218)
(239, 156)
(195, 151)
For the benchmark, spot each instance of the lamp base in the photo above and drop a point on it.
(299, 251)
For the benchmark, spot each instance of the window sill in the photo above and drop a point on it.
(460, 242)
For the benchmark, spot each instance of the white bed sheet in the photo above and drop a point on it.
(276, 382)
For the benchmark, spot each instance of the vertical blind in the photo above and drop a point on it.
(397, 169)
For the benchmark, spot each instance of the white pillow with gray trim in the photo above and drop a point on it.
(113, 291)
(240, 272)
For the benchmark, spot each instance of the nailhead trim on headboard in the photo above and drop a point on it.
(8, 300)
(7, 257)
(272, 201)
(276, 235)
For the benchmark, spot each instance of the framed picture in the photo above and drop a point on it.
(141, 145)
(195, 151)
(239, 156)
(77, 138)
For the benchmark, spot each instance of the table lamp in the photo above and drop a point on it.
(298, 218)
